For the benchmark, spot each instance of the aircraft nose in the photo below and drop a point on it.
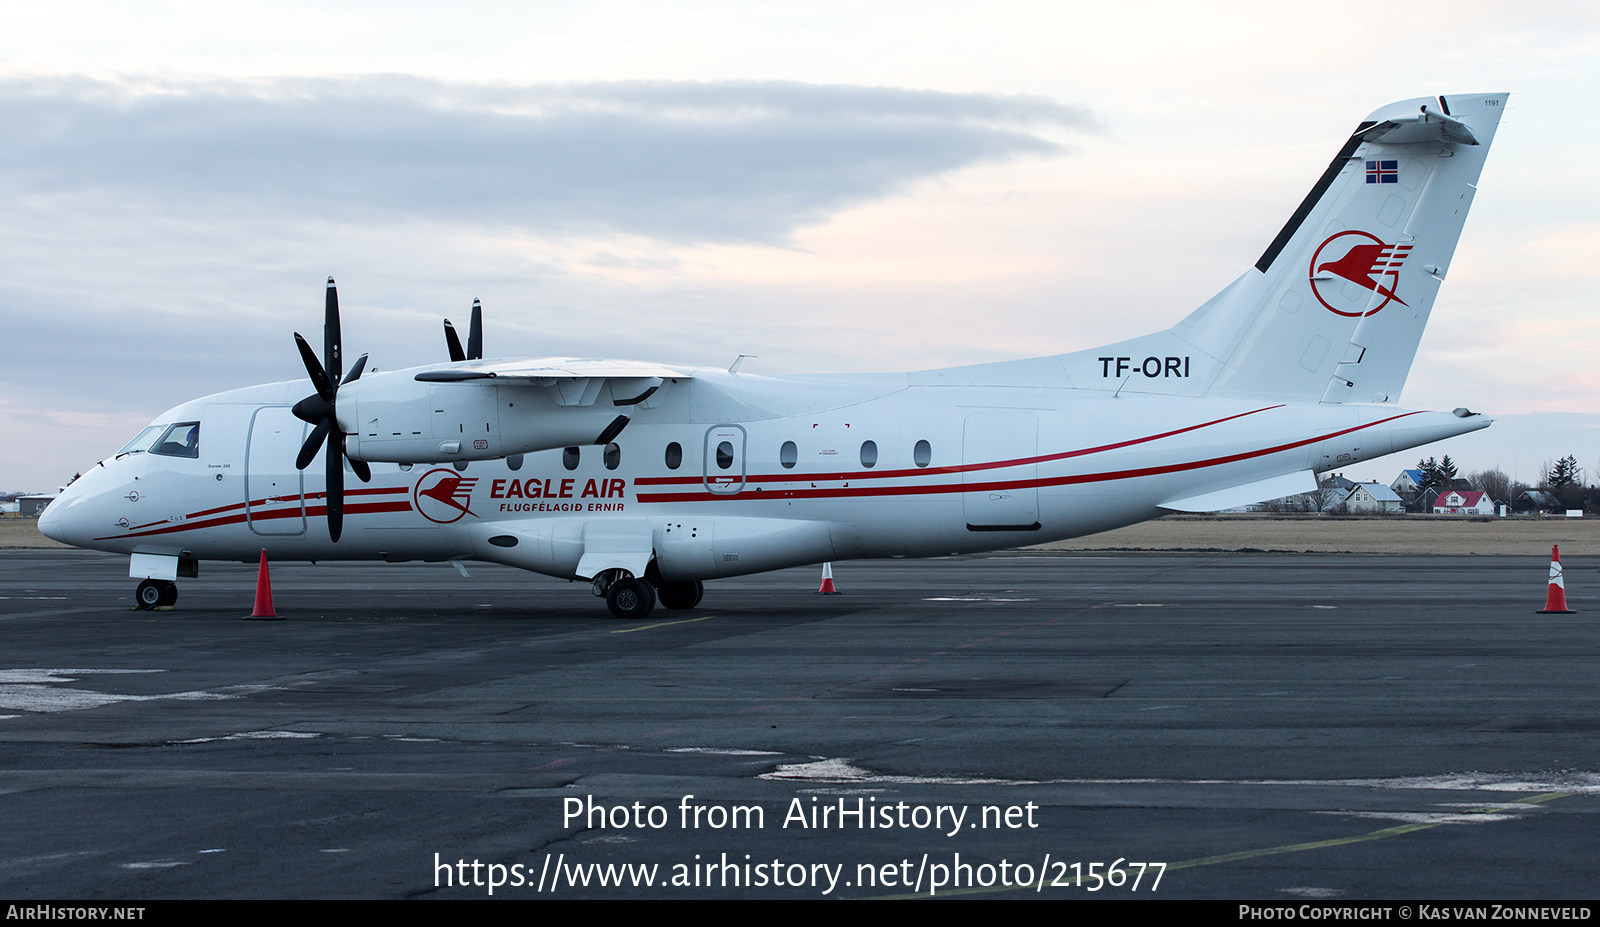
(64, 518)
(52, 524)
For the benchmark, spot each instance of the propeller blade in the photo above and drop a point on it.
(320, 410)
(330, 333)
(335, 471)
(308, 450)
(453, 343)
(475, 333)
(314, 368)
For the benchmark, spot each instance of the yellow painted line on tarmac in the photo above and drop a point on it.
(1255, 854)
(646, 627)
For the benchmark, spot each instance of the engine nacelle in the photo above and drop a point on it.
(391, 417)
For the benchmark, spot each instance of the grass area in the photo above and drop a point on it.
(1393, 534)
(17, 531)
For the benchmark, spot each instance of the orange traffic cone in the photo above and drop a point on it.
(827, 581)
(1555, 602)
(263, 610)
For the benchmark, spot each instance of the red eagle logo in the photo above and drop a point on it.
(1360, 258)
(444, 496)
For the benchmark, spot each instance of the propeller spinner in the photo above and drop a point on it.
(320, 410)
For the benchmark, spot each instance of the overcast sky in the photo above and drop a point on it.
(832, 187)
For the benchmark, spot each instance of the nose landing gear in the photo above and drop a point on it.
(155, 593)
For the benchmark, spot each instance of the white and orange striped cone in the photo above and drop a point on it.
(1555, 602)
(263, 610)
(827, 581)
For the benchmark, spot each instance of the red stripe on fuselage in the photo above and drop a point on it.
(939, 488)
(259, 512)
(964, 468)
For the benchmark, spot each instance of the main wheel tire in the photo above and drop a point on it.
(169, 593)
(630, 599)
(150, 594)
(681, 595)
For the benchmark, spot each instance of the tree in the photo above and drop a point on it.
(1563, 473)
(1495, 482)
(1430, 475)
(1565, 480)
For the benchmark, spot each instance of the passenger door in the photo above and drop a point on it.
(274, 490)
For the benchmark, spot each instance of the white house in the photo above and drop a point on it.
(1463, 502)
(1408, 483)
(1373, 499)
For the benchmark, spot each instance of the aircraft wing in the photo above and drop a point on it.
(548, 368)
(574, 381)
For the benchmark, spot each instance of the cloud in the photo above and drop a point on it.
(674, 161)
(164, 237)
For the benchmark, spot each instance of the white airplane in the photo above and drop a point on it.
(648, 479)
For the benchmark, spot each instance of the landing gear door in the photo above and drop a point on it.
(274, 490)
(724, 459)
(1001, 498)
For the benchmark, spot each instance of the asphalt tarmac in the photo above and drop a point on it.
(1286, 728)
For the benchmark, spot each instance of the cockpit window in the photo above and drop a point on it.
(181, 440)
(141, 441)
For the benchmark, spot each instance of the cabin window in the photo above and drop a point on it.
(612, 456)
(181, 440)
(788, 455)
(569, 458)
(725, 454)
(922, 454)
(674, 456)
(869, 454)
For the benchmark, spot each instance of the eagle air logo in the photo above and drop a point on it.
(444, 496)
(1351, 271)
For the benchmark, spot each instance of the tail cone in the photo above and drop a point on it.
(1555, 602)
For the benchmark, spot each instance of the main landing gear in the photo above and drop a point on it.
(681, 595)
(155, 593)
(633, 599)
(630, 598)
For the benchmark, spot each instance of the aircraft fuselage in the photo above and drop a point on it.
(886, 468)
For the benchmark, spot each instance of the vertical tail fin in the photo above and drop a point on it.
(1334, 309)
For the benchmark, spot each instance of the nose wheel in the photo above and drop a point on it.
(155, 593)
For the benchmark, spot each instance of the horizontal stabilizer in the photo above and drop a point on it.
(1274, 487)
(1424, 126)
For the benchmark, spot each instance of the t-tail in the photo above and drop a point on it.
(1335, 307)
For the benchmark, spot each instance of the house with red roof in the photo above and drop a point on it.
(1463, 502)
